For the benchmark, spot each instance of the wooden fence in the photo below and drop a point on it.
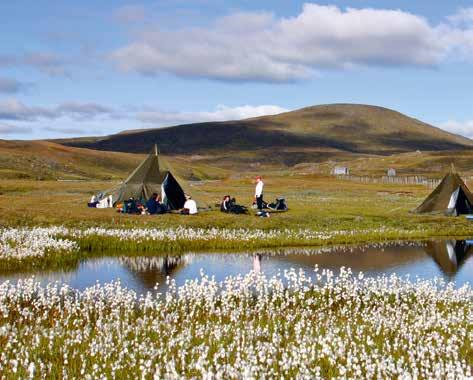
(409, 180)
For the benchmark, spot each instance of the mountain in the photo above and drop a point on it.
(309, 134)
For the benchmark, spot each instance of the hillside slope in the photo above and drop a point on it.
(308, 134)
(47, 160)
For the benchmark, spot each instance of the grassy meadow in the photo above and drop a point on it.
(321, 203)
(323, 211)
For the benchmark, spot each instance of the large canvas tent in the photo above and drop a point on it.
(149, 178)
(450, 197)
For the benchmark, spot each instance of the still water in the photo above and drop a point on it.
(451, 260)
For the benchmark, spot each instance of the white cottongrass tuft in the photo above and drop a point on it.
(23, 243)
(288, 326)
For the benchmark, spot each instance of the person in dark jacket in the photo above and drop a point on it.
(229, 205)
(152, 205)
(226, 205)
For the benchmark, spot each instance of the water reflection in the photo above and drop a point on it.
(152, 270)
(450, 254)
(450, 259)
(257, 263)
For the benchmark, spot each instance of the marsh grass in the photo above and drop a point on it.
(243, 327)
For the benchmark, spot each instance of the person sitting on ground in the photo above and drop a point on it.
(226, 204)
(278, 205)
(162, 208)
(190, 207)
(229, 205)
(93, 201)
(130, 206)
(152, 205)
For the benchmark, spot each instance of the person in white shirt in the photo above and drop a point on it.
(259, 192)
(190, 207)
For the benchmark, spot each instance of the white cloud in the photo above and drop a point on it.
(463, 16)
(12, 109)
(46, 62)
(83, 110)
(221, 113)
(259, 46)
(464, 128)
(8, 129)
(69, 118)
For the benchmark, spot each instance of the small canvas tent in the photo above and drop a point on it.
(149, 178)
(450, 197)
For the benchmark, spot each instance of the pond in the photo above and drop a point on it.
(451, 260)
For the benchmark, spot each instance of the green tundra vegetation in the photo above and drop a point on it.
(323, 211)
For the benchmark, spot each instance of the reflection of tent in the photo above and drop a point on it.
(449, 255)
(151, 270)
(147, 179)
(450, 197)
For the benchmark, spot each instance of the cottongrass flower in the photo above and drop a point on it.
(25, 243)
(289, 326)
(223, 234)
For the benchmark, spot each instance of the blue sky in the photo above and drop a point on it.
(91, 68)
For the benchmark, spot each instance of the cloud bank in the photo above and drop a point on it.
(48, 63)
(261, 47)
(8, 129)
(69, 118)
(12, 109)
(221, 113)
(464, 128)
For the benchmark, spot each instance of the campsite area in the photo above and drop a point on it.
(323, 211)
(92, 283)
(236, 189)
(236, 285)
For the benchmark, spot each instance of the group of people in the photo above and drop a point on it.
(229, 204)
(155, 206)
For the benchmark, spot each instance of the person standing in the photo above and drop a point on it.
(259, 192)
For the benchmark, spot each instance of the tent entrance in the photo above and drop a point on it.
(171, 193)
(459, 203)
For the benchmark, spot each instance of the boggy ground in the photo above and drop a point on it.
(323, 211)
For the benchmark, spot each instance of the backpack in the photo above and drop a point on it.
(279, 205)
